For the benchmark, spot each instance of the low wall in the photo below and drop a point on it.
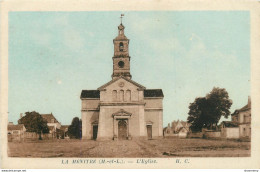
(212, 134)
(230, 133)
(35, 136)
(171, 135)
(195, 135)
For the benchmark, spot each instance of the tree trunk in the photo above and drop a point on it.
(40, 135)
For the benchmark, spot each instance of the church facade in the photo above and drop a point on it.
(122, 108)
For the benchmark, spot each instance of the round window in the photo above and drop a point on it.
(121, 64)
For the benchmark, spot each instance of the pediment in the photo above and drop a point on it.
(103, 87)
(122, 112)
(149, 123)
(95, 122)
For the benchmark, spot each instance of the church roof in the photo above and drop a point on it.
(114, 80)
(153, 93)
(90, 94)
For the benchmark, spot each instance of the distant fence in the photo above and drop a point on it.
(35, 136)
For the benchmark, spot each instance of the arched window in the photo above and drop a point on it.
(128, 95)
(121, 46)
(121, 95)
(114, 95)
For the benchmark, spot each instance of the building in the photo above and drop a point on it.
(65, 129)
(243, 118)
(16, 132)
(122, 108)
(177, 129)
(52, 122)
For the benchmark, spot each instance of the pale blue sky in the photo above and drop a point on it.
(54, 55)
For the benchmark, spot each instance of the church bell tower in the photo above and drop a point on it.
(121, 58)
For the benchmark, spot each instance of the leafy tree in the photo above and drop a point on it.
(34, 122)
(207, 111)
(74, 130)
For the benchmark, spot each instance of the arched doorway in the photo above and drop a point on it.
(122, 130)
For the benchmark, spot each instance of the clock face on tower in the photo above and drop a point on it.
(121, 64)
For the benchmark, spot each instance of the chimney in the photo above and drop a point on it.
(249, 102)
(21, 115)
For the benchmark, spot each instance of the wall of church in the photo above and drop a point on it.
(154, 117)
(122, 91)
(153, 103)
(90, 103)
(88, 119)
(106, 119)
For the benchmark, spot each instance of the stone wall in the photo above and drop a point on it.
(212, 134)
(230, 133)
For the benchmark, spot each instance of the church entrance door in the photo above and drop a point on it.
(95, 131)
(122, 130)
(149, 131)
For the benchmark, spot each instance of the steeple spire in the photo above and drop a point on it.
(121, 58)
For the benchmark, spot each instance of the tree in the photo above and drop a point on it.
(207, 111)
(74, 130)
(34, 122)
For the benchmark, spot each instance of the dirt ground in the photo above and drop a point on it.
(164, 148)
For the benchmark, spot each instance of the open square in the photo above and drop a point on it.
(161, 148)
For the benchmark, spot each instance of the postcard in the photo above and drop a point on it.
(140, 84)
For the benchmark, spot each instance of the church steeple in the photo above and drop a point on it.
(121, 58)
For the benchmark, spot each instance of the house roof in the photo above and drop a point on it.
(153, 93)
(183, 123)
(244, 108)
(121, 77)
(49, 117)
(90, 94)
(15, 127)
(182, 128)
(229, 124)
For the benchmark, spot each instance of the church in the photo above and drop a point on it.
(122, 109)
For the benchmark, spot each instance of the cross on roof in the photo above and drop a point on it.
(121, 17)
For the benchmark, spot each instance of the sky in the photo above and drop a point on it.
(55, 55)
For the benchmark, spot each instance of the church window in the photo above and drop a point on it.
(114, 95)
(121, 95)
(121, 46)
(128, 95)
